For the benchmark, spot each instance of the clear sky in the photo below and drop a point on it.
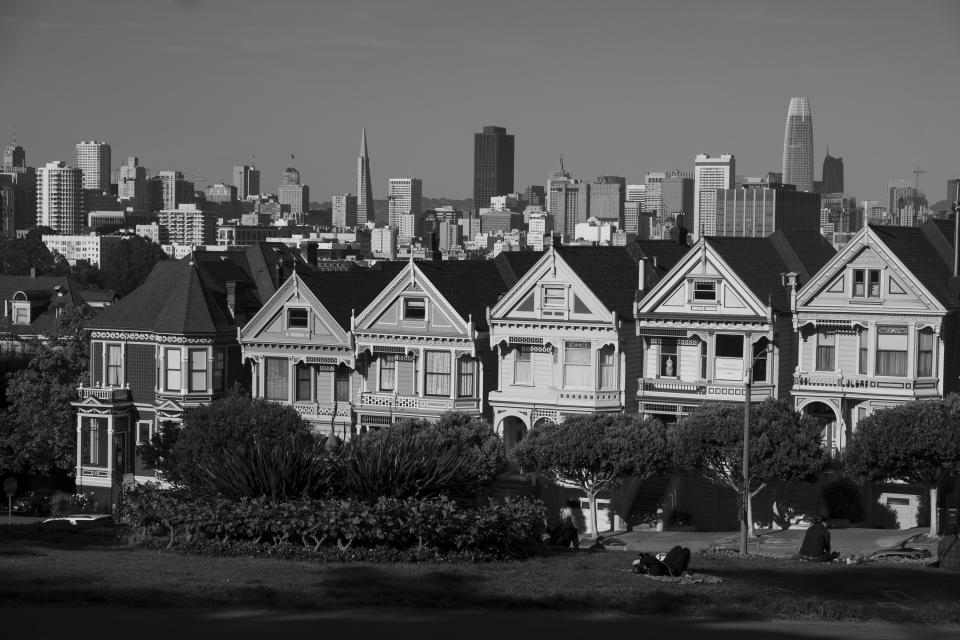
(619, 88)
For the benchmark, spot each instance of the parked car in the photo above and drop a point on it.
(79, 521)
(35, 502)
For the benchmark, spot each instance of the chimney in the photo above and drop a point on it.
(279, 270)
(642, 276)
(232, 299)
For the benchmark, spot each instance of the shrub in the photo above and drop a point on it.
(842, 499)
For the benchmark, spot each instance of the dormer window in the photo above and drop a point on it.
(704, 291)
(297, 318)
(554, 297)
(21, 313)
(866, 283)
(414, 309)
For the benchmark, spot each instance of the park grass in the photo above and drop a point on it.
(90, 569)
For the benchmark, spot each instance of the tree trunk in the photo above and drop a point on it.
(933, 511)
(751, 529)
(593, 514)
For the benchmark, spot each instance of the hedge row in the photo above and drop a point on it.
(510, 530)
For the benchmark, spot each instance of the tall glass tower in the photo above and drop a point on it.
(365, 209)
(798, 146)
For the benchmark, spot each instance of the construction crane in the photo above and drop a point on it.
(916, 180)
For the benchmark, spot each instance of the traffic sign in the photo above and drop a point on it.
(10, 486)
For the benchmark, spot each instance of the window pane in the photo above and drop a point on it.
(925, 353)
(276, 375)
(303, 386)
(414, 308)
(297, 318)
(387, 368)
(198, 369)
(173, 382)
(522, 367)
(467, 368)
(704, 290)
(342, 385)
(760, 361)
(729, 346)
(825, 358)
(114, 365)
(891, 363)
(438, 373)
(874, 290)
(668, 358)
(576, 368)
(858, 283)
(219, 365)
(608, 370)
(554, 297)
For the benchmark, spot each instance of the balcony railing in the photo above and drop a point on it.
(843, 382)
(428, 403)
(674, 387)
(105, 394)
(720, 391)
(312, 409)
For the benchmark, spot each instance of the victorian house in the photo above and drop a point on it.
(168, 346)
(564, 338)
(722, 318)
(31, 306)
(878, 326)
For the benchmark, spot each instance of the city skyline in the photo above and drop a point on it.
(467, 59)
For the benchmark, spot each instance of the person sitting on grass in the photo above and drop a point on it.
(816, 543)
(565, 533)
(674, 564)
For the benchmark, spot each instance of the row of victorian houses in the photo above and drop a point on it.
(654, 328)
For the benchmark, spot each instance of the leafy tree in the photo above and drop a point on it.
(19, 255)
(917, 442)
(595, 452)
(223, 447)
(784, 445)
(125, 265)
(38, 431)
(474, 435)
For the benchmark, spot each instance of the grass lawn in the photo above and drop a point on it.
(80, 569)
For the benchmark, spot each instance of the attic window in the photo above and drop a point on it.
(414, 309)
(705, 290)
(297, 318)
(21, 313)
(554, 297)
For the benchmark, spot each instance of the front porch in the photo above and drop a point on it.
(676, 399)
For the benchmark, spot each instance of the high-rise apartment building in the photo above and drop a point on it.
(365, 208)
(132, 184)
(291, 192)
(93, 159)
(344, 207)
(709, 174)
(492, 165)
(901, 196)
(832, 181)
(607, 195)
(14, 157)
(176, 190)
(759, 210)
(404, 196)
(187, 225)
(60, 198)
(247, 181)
(798, 145)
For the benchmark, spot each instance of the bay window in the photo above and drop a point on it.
(304, 383)
(114, 365)
(172, 379)
(466, 385)
(826, 350)
(198, 369)
(576, 365)
(668, 358)
(608, 369)
(93, 445)
(728, 357)
(522, 367)
(276, 374)
(388, 370)
(925, 342)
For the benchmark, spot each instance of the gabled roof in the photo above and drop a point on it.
(805, 252)
(665, 253)
(609, 272)
(758, 262)
(514, 264)
(343, 293)
(470, 286)
(914, 248)
(42, 290)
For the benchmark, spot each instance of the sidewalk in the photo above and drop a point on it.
(847, 541)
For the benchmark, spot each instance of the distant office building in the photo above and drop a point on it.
(759, 211)
(832, 175)
(494, 221)
(596, 231)
(94, 200)
(557, 176)
(653, 192)
(636, 193)
(469, 227)
(89, 247)
(607, 196)
(569, 204)
(247, 181)
(798, 145)
(365, 207)
(492, 165)
(632, 210)
(534, 195)
(448, 236)
(900, 196)
(14, 157)
(709, 174)
(677, 196)
(187, 225)
(505, 203)
(843, 212)
(540, 231)
(93, 159)
(294, 194)
(873, 212)
(132, 184)
(344, 210)
(176, 190)
(221, 193)
(383, 242)
(404, 196)
(60, 197)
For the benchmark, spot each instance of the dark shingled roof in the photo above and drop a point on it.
(666, 254)
(914, 249)
(470, 286)
(760, 261)
(609, 272)
(343, 293)
(38, 288)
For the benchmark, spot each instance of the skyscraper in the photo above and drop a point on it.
(798, 146)
(344, 210)
(132, 184)
(404, 197)
(492, 165)
(832, 174)
(557, 176)
(365, 209)
(607, 196)
(709, 174)
(176, 189)
(59, 198)
(247, 181)
(293, 193)
(759, 210)
(901, 196)
(93, 159)
(14, 157)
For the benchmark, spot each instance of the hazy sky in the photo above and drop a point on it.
(619, 88)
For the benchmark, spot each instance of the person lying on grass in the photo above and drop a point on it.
(674, 564)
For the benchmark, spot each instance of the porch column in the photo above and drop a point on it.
(110, 452)
(872, 348)
(79, 476)
(912, 350)
(161, 369)
(419, 373)
(800, 343)
(453, 375)
(291, 378)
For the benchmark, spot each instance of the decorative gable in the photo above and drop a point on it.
(551, 291)
(294, 314)
(702, 283)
